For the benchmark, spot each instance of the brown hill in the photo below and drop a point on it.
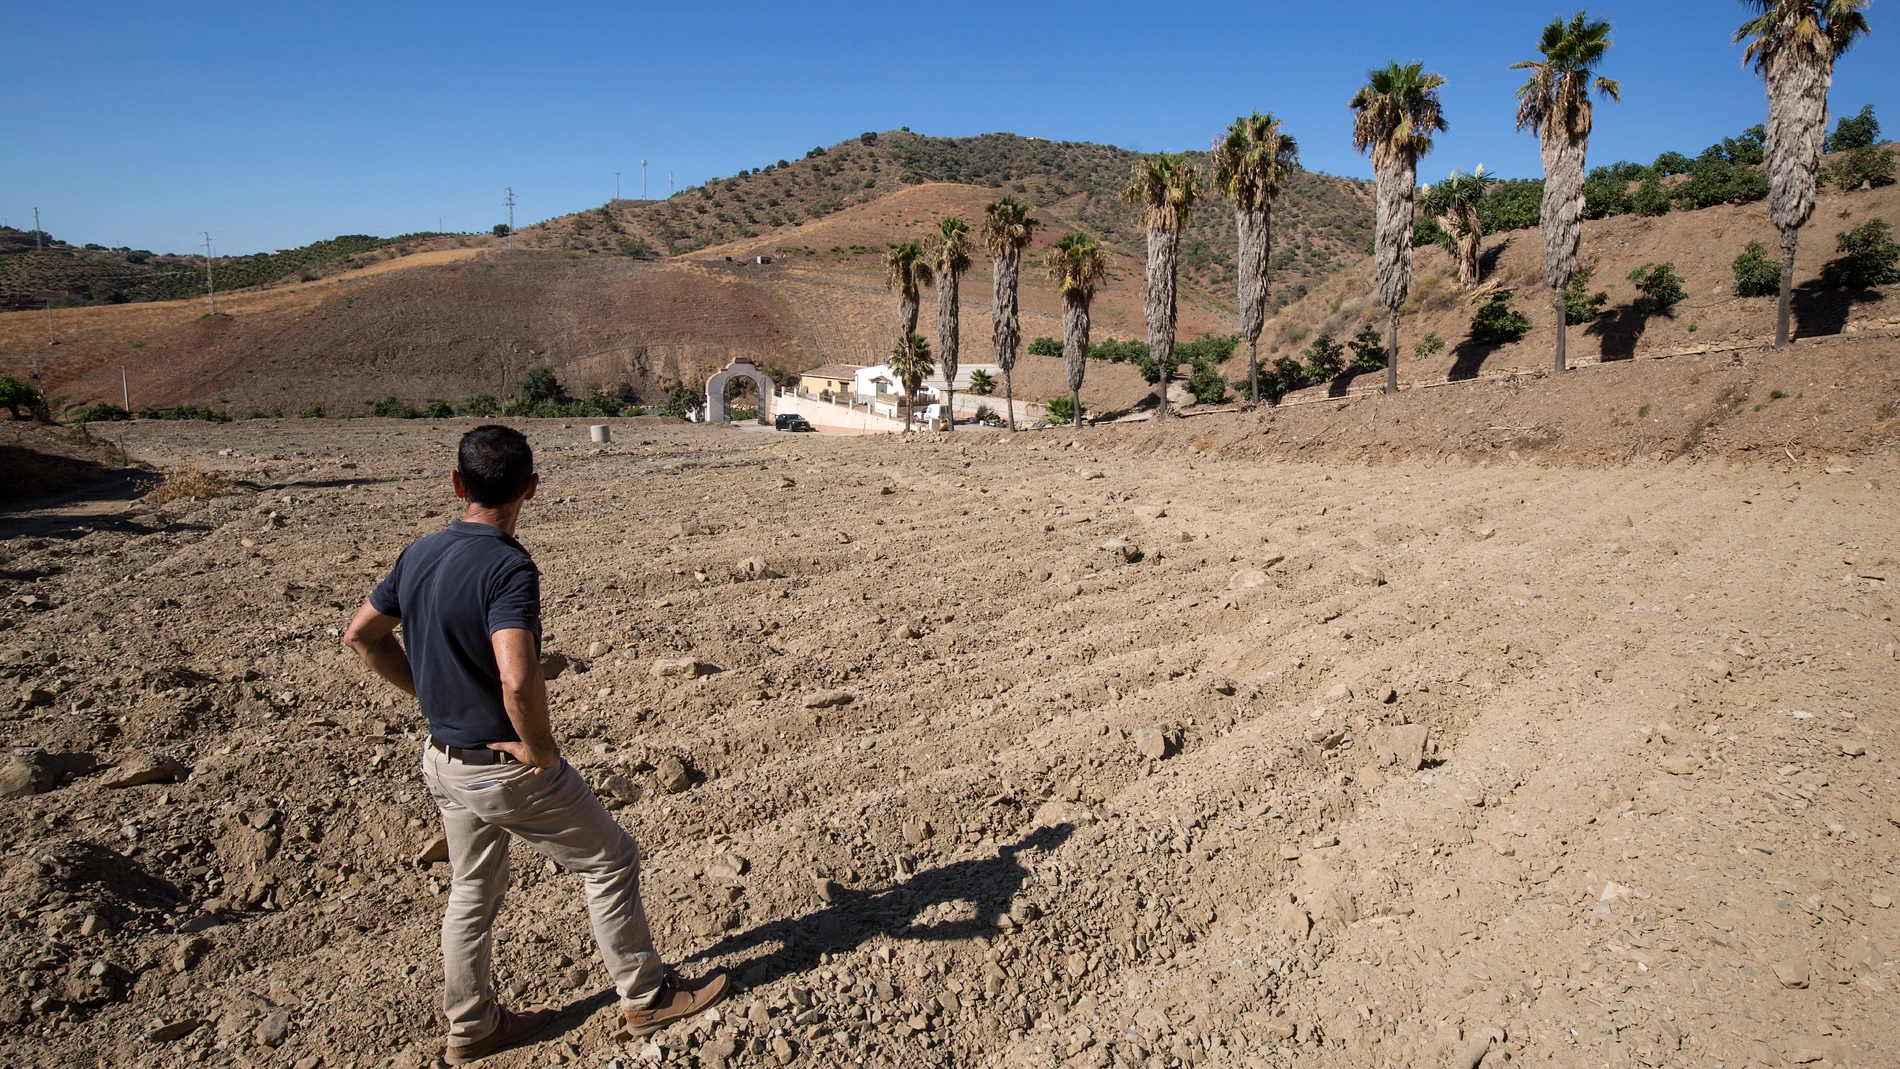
(1702, 245)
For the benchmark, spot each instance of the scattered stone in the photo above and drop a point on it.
(1880, 901)
(176, 1030)
(672, 775)
(36, 698)
(754, 568)
(1371, 778)
(1801, 1049)
(141, 769)
(95, 983)
(597, 649)
(916, 831)
(1294, 921)
(1401, 744)
(1387, 695)
(1222, 686)
(684, 668)
(623, 788)
(436, 852)
(726, 867)
(827, 699)
(1366, 573)
(1122, 547)
(1792, 974)
(1854, 749)
(1248, 579)
(274, 1029)
(187, 953)
(1681, 764)
(553, 664)
(28, 774)
(906, 631)
(1477, 1045)
(1151, 743)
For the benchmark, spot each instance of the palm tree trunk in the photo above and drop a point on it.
(1159, 306)
(1253, 370)
(1075, 346)
(1005, 329)
(949, 337)
(1788, 239)
(1392, 354)
(1563, 313)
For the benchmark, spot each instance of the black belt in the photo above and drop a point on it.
(480, 755)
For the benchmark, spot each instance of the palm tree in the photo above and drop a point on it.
(907, 270)
(1008, 228)
(1793, 44)
(1164, 187)
(1398, 112)
(1249, 165)
(1555, 103)
(1453, 205)
(953, 258)
(910, 362)
(981, 384)
(1077, 265)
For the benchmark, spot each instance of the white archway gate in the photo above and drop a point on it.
(716, 391)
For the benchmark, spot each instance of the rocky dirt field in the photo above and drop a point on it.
(1119, 749)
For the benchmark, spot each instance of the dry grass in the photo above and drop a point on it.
(186, 481)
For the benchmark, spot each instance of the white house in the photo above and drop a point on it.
(880, 381)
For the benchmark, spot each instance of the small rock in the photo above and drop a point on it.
(576, 978)
(1801, 1049)
(36, 698)
(273, 1029)
(623, 788)
(916, 831)
(28, 774)
(1791, 973)
(1222, 686)
(824, 888)
(1880, 901)
(598, 649)
(436, 851)
(553, 664)
(1366, 573)
(1402, 744)
(95, 983)
(1248, 579)
(176, 1030)
(683, 668)
(187, 953)
(1854, 749)
(1371, 778)
(1294, 921)
(826, 699)
(783, 1049)
(906, 631)
(141, 769)
(1680, 764)
(1122, 547)
(726, 867)
(1151, 743)
(754, 568)
(1387, 695)
(672, 775)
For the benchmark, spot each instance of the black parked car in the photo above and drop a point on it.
(792, 421)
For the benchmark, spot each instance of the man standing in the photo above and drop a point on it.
(469, 602)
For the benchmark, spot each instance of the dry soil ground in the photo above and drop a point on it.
(1117, 781)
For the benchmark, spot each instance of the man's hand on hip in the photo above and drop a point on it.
(525, 694)
(546, 760)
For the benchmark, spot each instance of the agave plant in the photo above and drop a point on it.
(1165, 187)
(1554, 103)
(1453, 205)
(1793, 45)
(1077, 265)
(1249, 165)
(1397, 112)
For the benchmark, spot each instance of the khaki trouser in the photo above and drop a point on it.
(483, 807)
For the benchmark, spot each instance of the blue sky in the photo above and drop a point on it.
(277, 124)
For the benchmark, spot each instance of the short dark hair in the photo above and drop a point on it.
(495, 463)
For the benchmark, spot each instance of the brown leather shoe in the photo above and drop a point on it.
(679, 999)
(514, 1028)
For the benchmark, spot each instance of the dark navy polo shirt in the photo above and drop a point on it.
(452, 590)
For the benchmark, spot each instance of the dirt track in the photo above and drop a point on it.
(1655, 822)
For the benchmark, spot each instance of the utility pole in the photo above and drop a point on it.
(49, 321)
(669, 185)
(643, 179)
(125, 388)
(36, 231)
(211, 292)
(510, 190)
(616, 185)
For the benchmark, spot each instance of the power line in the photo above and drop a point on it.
(211, 291)
(510, 190)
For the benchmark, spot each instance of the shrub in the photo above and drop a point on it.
(1513, 205)
(1854, 132)
(482, 404)
(868, 137)
(391, 408)
(1650, 198)
(1497, 323)
(311, 411)
(1429, 345)
(680, 399)
(1621, 171)
(1756, 275)
(1119, 352)
(1604, 197)
(1670, 163)
(1283, 378)
(1868, 257)
(539, 384)
(1325, 359)
(100, 412)
(186, 481)
(184, 412)
(982, 384)
(15, 395)
(634, 247)
(502, 230)
(1580, 305)
(604, 404)
(437, 409)
(1207, 384)
(1659, 285)
(1061, 410)
(1368, 349)
(1864, 167)
(258, 413)
(1045, 347)
(1716, 181)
